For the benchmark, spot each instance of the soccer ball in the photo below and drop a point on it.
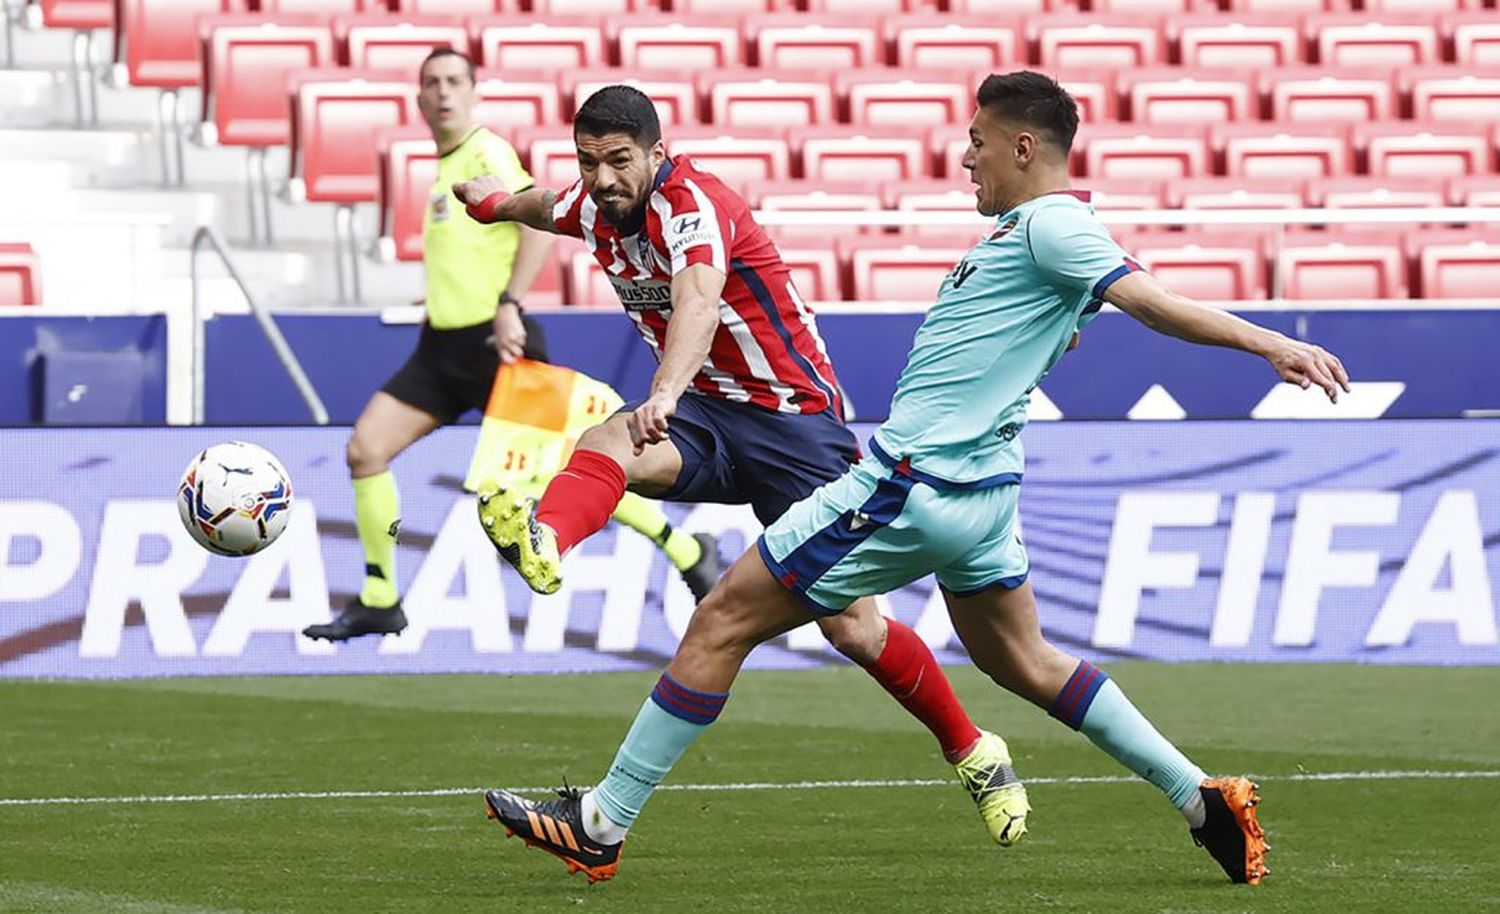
(234, 498)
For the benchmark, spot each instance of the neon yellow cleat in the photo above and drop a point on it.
(509, 520)
(1001, 797)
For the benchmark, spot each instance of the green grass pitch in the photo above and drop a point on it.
(1390, 844)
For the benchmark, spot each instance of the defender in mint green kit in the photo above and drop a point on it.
(938, 493)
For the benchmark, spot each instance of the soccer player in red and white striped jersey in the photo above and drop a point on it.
(744, 406)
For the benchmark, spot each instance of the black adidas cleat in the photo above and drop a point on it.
(555, 826)
(702, 577)
(1231, 832)
(358, 619)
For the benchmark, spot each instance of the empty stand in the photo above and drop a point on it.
(511, 100)
(1367, 192)
(1325, 95)
(672, 92)
(1177, 97)
(1253, 41)
(698, 45)
(1362, 265)
(1222, 265)
(549, 155)
(1153, 152)
(1283, 150)
(836, 154)
(504, 43)
(789, 42)
(408, 168)
(882, 98)
(1235, 193)
(20, 274)
(1456, 264)
(930, 42)
(1097, 41)
(1461, 93)
(375, 42)
(1432, 150)
(904, 269)
(749, 155)
(750, 98)
(1364, 41)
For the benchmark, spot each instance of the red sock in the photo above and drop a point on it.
(907, 669)
(580, 498)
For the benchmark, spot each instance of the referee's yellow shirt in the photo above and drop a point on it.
(468, 264)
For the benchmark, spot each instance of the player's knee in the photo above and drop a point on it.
(609, 437)
(722, 624)
(857, 638)
(363, 459)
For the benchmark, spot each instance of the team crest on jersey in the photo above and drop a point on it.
(440, 211)
(643, 247)
(1005, 229)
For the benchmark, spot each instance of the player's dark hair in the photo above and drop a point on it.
(449, 52)
(1033, 99)
(619, 109)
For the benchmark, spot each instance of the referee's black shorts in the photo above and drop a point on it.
(452, 371)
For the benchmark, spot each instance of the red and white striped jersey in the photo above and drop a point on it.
(767, 350)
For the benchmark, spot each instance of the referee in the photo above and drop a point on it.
(476, 276)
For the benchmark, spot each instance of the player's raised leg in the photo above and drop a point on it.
(999, 627)
(533, 536)
(385, 428)
(587, 829)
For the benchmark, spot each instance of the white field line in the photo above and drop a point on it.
(708, 788)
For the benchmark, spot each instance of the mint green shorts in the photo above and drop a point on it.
(877, 528)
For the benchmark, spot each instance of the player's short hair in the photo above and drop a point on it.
(619, 109)
(448, 52)
(1033, 99)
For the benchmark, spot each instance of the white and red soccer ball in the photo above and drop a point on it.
(235, 498)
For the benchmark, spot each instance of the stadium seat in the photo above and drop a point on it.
(904, 269)
(702, 44)
(1286, 6)
(1315, 95)
(750, 154)
(1452, 93)
(247, 61)
(858, 153)
(751, 98)
(159, 40)
(896, 99)
(793, 196)
(1124, 193)
(586, 7)
(1427, 149)
(1387, 41)
(408, 168)
(864, 7)
(1071, 40)
(814, 269)
(379, 42)
(672, 92)
(1283, 150)
(335, 116)
(945, 149)
(790, 42)
(20, 275)
(455, 7)
(82, 15)
(511, 100)
(1416, 6)
(553, 45)
(1175, 97)
(1476, 38)
(1367, 192)
(322, 7)
(1093, 89)
(1235, 193)
(1262, 41)
(939, 42)
(1130, 151)
(928, 196)
(1002, 7)
(1474, 190)
(1455, 263)
(1226, 264)
(1316, 265)
(699, 8)
(549, 154)
(587, 283)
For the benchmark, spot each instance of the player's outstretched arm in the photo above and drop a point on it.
(1148, 301)
(690, 334)
(488, 201)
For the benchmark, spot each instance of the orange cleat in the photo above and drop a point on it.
(1231, 833)
(555, 826)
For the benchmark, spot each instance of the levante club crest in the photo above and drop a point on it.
(1005, 229)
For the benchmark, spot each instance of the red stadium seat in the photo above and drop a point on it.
(1220, 265)
(1455, 263)
(586, 7)
(1071, 40)
(1365, 265)
(335, 116)
(1364, 193)
(700, 8)
(159, 40)
(552, 45)
(1093, 90)
(20, 274)
(703, 44)
(1474, 190)
(1124, 193)
(814, 270)
(549, 154)
(1387, 41)
(1263, 41)
(511, 100)
(1176, 97)
(794, 196)
(408, 169)
(1453, 93)
(884, 99)
(1129, 151)
(863, 7)
(247, 60)
(940, 42)
(750, 154)
(790, 42)
(379, 42)
(456, 7)
(78, 14)
(1002, 7)
(1315, 95)
(1284, 150)
(905, 269)
(587, 283)
(1431, 150)
(322, 7)
(673, 93)
(1416, 6)
(1286, 6)
(856, 153)
(1476, 38)
(1235, 193)
(945, 149)
(754, 99)
(927, 196)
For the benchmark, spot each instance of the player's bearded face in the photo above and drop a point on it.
(618, 172)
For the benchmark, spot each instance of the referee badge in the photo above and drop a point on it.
(440, 210)
(1005, 229)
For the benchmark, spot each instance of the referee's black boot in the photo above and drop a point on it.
(704, 574)
(358, 619)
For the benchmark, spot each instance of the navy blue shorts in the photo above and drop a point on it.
(736, 454)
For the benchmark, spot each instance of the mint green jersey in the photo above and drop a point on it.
(1003, 318)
